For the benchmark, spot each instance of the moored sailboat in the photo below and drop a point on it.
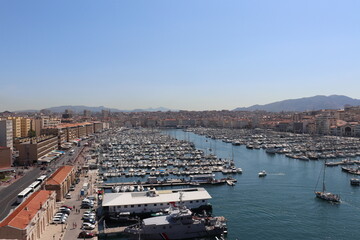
(324, 195)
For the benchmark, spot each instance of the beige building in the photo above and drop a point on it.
(25, 126)
(60, 181)
(30, 219)
(16, 124)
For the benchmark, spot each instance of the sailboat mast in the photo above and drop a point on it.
(324, 189)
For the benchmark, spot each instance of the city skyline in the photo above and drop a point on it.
(198, 55)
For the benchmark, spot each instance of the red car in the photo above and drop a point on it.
(85, 234)
(70, 208)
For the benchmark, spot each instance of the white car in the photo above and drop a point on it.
(88, 226)
(89, 215)
(59, 215)
(58, 221)
(68, 196)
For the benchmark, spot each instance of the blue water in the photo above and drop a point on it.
(281, 205)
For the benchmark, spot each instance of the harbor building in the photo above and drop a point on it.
(6, 133)
(30, 219)
(154, 201)
(60, 181)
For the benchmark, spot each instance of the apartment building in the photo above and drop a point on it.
(31, 149)
(6, 133)
(25, 126)
(16, 125)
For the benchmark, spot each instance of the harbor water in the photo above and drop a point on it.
(281, 205)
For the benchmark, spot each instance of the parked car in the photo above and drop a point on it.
(85, 234)
(91, 214)
(68, 196)
(65, 206)
(64, 210)
(60, 215)
(88, 226)
(87, 205)
(58, 221)
(90, 220)
(58, 212)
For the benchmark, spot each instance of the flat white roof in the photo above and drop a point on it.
(162, 196)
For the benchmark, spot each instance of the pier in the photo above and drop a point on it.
(170, 182)
(111, 231)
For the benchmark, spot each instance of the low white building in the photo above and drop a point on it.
(154, 201)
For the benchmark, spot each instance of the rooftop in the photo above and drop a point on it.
(60, 175)
(164, 196)
(24, 213)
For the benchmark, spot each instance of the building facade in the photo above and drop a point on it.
(60, 181)
(31, 149)
(6, 133)
(30, 219)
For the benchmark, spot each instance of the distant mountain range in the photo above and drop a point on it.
(305, 104)
(80, 109)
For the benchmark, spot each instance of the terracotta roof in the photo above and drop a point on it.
(59, 176)
(24, 213)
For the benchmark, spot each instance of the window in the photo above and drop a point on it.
(145, 205)
(161, 204)
(197, 200)
(125, 206)
(132, 206)
(139, 205)
(203, 200)
(190, 201)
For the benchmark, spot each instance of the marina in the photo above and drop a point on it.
(267, 204)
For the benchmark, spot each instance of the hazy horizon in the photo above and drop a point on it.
(185, 55)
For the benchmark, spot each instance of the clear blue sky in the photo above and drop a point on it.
(191, 54)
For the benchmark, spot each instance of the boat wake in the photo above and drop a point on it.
(350, 205)
(277, 174)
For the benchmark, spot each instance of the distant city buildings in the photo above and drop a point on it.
(34, 135)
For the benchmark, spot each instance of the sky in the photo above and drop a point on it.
(189, 54)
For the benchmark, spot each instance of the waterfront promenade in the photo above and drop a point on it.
(72, 228)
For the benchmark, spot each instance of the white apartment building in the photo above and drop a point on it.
(6, 133)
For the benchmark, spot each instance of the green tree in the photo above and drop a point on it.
(31, 133)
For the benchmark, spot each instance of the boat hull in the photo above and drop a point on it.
(330, 197)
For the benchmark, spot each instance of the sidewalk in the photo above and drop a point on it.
(69, 231)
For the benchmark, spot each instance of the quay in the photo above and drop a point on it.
(111, 231)
(170, 182)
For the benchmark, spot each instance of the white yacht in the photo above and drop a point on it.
(179, 224)
(262, 173)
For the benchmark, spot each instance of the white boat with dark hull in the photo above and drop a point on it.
(179, 224)
(262, 173)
